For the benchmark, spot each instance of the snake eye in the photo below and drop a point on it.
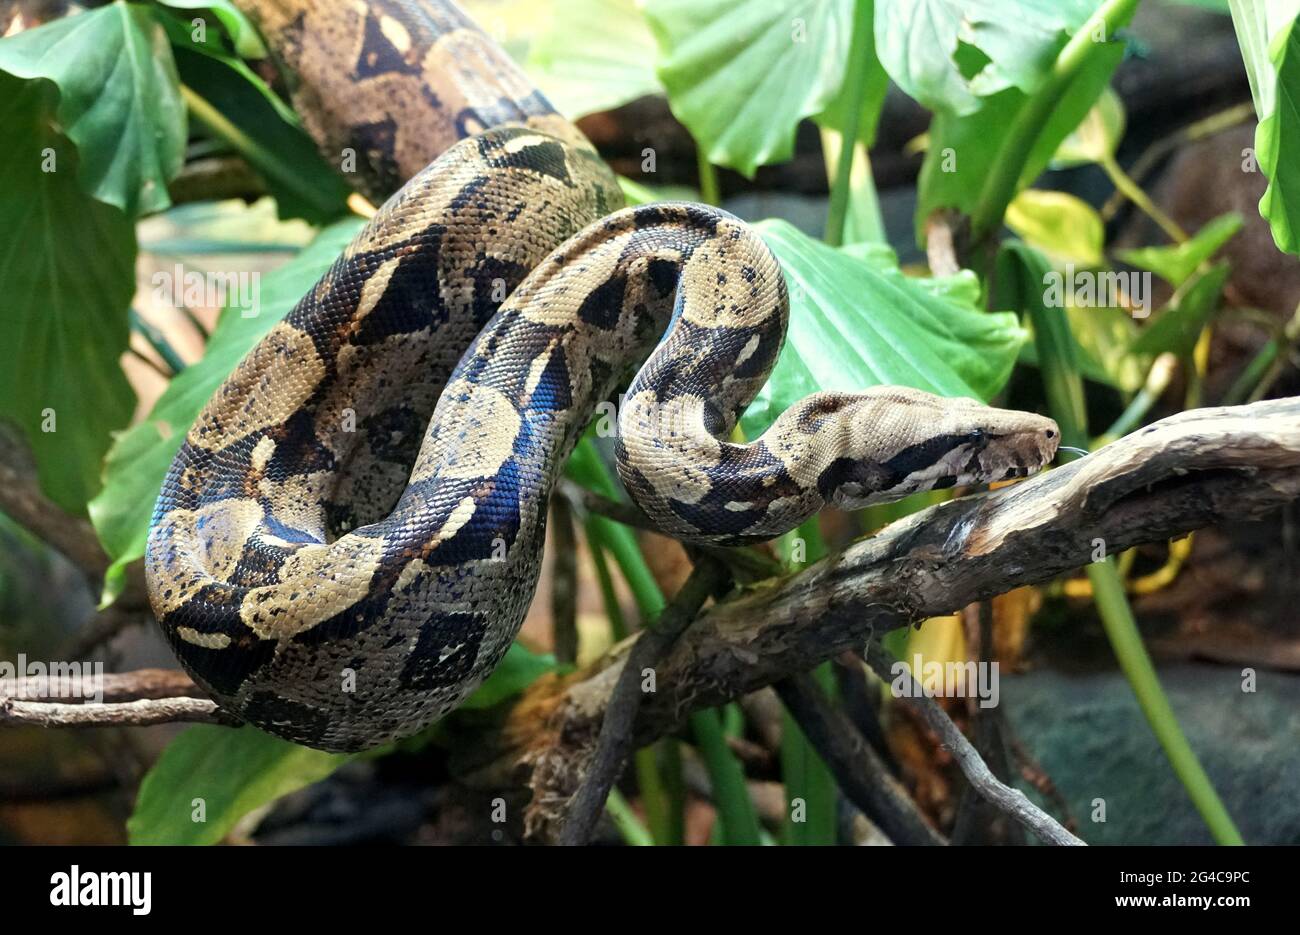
(976, 437)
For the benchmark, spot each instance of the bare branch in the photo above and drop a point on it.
(127, 714)
(146, 696)
(1191, 470)
(1011, 801)
(22, 499)
(1177, 475)
(858, 769)
(614, 743)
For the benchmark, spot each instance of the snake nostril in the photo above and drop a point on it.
(1051, 434)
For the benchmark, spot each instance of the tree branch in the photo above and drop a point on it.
(858, 769)
(1191, 470)
(22, 499)
(1011, 801)
(143, 697)
(614, 743)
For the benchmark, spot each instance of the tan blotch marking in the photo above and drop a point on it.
(206, 640)
(396, 33)
(488, 424)
(374, 290)
(317, 582)
(267, 387)
(262, 453)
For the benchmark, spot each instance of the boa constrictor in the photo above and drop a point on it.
(351, 533)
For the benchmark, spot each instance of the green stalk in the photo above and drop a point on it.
(861, 48)
(710, 192)
(730, 794)
(1004, 179)
(1117, 618)
(1134, 193)
(1158, 377)
(262, 159)
(634, 833)
(807, 778)
(157, 340)
(1064, 387)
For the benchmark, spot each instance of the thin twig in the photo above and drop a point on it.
(1011, 801)
(129, 713)
(146, 696)
(564, 582)
(614, 743)
(861, 773)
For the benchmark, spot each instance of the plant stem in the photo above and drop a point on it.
(710, 193)
(861, 46)
(730, 794)
(1134, 193)
(157, 340)
(810, 788)
(625, 820)
(1158, 377)
(1117, 619)
(1004, 179)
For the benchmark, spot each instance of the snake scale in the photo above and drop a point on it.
(351, 533)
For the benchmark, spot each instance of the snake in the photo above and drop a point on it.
(351, 532)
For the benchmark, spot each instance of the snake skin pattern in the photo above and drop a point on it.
(351, 534)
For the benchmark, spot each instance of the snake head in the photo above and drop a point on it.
(935, 442)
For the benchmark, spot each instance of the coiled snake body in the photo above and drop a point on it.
(351, 533)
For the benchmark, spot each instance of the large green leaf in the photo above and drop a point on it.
(119, 100)
(948, 54)
(219, 775)
(135, 467)
(66, 274)
(856, 321)
(962, 149)
(596, 55)
(1176, 263)
(1277, 140)
(741, 74)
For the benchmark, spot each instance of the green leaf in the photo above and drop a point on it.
(962, 149)
(1257, 24)
(741, 74)
(138, 460)
(1277, 139)
(519, 669)
(1176, 263)
(1021, 273)
(947, 54)
(1064, 227)
(1096, 137)
(66, 274)
(597, 55)
(119, 100)
(856, 321)
(239, 108)
(226, 772)
(242, 32)
(1180, 325)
